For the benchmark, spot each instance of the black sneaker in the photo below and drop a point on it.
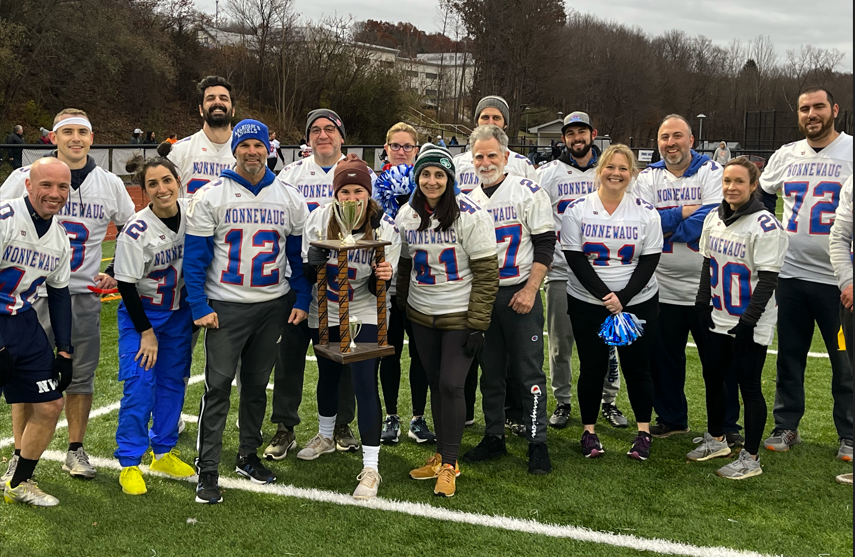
(663, 430)
(640, 449)
(591, 446)
(250, 466)
(391, 430)
(490, 447)
(734, 439)
(420, 432)
(516, 426)
(614, 416)
(538, 459)
(208, 489)
(560, 417)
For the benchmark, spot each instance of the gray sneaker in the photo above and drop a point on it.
(282, 442)
(28, 493)
(845, 452)
(77, 464)
(344, 439)
(709, 448)
(316, 447)
(560, 416)
(781, 440)
(10, 471)
(743, 467)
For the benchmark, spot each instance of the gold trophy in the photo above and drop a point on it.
(355, 328)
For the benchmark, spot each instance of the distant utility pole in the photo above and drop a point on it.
(217, 14)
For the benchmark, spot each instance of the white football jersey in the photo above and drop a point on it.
(28, 261)
(564, 183)
(467, 178)
(520, 209)
(315, 185)
(441, 279)
(841, 237)
(199, 161)
(250, 264)
(363, 305)
(679, 269)
(755, 242)
(151, 256)
(612, 243)
(101, 198)
(811, 182)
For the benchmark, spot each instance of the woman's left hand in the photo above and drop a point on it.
(612, 303)
(383, 271)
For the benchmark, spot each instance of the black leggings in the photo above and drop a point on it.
(390, 366)
(364, 376)
(749, 368)
(446, 367)
(594, 358)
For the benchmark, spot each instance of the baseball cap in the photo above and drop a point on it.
(576, 118)
(137, 130)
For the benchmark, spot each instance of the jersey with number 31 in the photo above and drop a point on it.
(811, 184)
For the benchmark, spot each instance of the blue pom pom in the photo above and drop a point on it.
(391, 184)
(621, 330)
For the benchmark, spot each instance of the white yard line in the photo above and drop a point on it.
(421, 510)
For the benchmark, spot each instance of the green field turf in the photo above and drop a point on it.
(795, 508)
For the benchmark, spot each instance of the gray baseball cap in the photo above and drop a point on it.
(576, 118)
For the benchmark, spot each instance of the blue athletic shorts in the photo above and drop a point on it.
(33, 355)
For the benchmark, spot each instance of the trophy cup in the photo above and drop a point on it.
(348, 214)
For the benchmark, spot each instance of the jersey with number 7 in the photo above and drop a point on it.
(811, 185)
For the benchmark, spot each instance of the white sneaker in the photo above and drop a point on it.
(181, 426)
(29, 493)
(709, 448)
(77, 464)
(369, 480)
(316, 447)
(10, 471)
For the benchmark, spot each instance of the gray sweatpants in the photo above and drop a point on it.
(85, 338)
(561, 348)
(248, 334)
(514, 344)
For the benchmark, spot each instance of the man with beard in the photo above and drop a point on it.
(565, 180)
(810, 172)
(201, 157)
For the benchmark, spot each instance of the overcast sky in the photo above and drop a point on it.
(790, 23)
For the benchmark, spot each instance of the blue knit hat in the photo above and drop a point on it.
(250, 129)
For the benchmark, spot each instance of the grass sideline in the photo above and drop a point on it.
(793, 509)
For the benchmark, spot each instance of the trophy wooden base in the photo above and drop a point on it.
(363, 351)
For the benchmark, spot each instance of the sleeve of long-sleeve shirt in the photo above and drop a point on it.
(198, 255)
(293, 251)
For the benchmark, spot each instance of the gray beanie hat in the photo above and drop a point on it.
(329, 115)
(493, 101)
(434, 155)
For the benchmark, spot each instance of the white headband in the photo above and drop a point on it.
(80, 121)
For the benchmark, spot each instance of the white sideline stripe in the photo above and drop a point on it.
(421, 510)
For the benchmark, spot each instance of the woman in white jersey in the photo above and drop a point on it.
(743, 246)
(155, 327)
(352, 181)
(447, 282)
(612, 241)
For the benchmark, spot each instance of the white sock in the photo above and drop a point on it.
(370, 457)
(326, 426)
(158, 456)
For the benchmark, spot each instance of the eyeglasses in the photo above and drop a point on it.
(397, 147)
(329, 130)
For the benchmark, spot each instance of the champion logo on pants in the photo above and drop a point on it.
(534, 338)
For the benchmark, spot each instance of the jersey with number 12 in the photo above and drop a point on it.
(811, 185)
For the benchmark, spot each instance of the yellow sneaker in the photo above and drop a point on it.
(132, 481)
(431, 469)
(446, 482)
(171, 465)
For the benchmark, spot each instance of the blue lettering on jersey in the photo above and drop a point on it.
(254, 215)
(169, 255)
(727, 247)
(30, 258)
(501, 214)
(430, 236)
(360, 256)
(820, 169)
(209, 168)
(610, 231)
(665, 195)
(316, 191)
(93, 211)
(577, 188)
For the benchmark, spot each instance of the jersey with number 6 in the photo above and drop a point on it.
(151, 256)
(467, 178)
(520, 209)
(441, 279)
(363, 305)
(811, 185)
(250, 263)
(311, 181)
(200, 161)
(101, 198)
(612, 243)
(755, 242)
(27, 260)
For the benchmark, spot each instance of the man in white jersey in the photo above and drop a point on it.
(525, 235)
(201, 157)
(313, 178)
(810, 173)
(684, 187)
(96, 199)
(35, 250)
(244, 278)
(566, 179)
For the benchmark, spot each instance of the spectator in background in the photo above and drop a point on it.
(172, 139)
(44, 139)
(722, 154)
(453, 141)
(274, 153)
(136, 137)
(149, 139)
(440, 141)
(15, 154)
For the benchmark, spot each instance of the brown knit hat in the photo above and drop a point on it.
(351, 170)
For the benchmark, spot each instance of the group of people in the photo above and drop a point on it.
(225, 245)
